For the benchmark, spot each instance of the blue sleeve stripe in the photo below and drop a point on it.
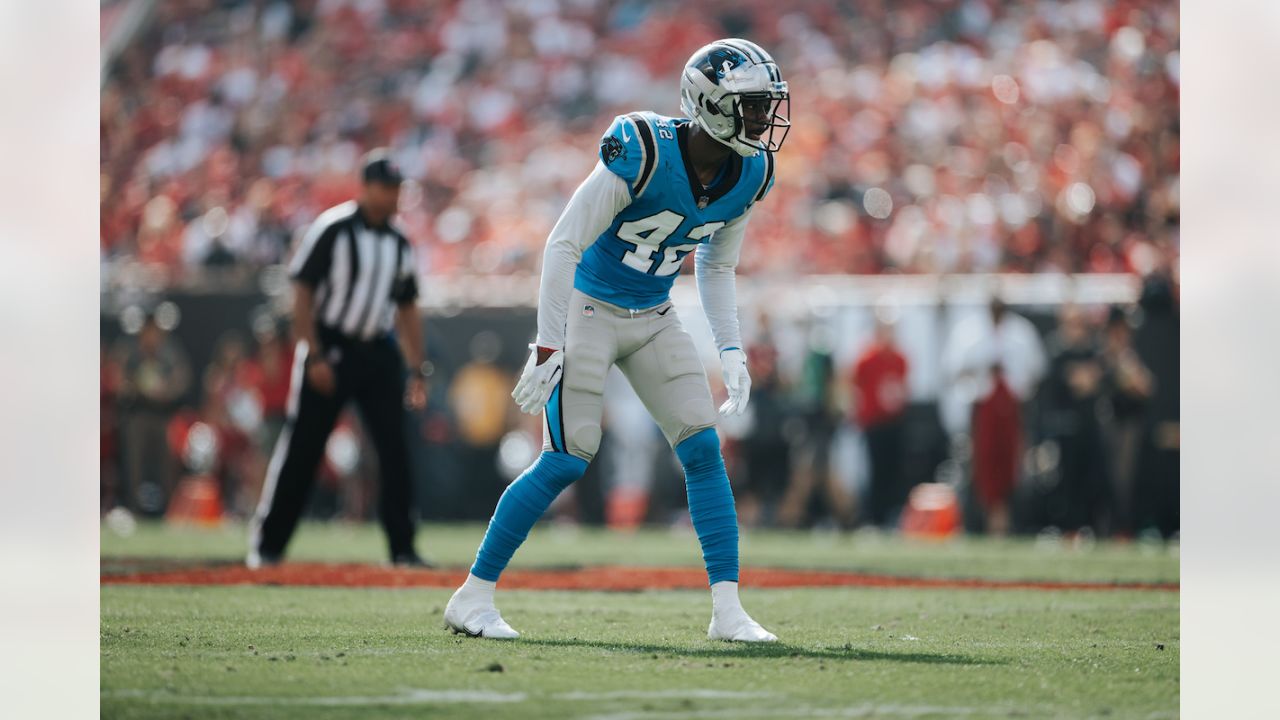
(555, 420)
(650, 148)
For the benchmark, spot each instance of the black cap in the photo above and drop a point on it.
(380, 168)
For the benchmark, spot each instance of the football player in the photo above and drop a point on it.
(663, 188)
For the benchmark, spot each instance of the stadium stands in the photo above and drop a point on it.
(961, 136)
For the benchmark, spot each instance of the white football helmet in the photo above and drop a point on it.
(733, 89)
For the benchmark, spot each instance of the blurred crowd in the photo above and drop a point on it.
(929, 135)
(161, 421)
(1048, 418)
(1067, 425)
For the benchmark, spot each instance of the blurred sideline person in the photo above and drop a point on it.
(765, 448)
(815, 494)
(879, 381)
(1128, 385)
(664, 188)
(1156, 341)
(993, 362)
(1069, 401)
(154, 375)
(353, 279)
(479, 400)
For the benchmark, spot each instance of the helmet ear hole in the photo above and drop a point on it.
(710, 106)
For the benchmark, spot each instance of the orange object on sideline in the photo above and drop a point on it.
(196, 501)
(625, 509)
(932, 511)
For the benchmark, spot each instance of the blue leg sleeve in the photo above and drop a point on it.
(520, 506)
(711, 504)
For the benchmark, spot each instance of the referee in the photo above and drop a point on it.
(353, 279)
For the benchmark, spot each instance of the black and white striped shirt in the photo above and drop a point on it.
(359, 273)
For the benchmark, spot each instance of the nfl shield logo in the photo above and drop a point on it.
(588, 311)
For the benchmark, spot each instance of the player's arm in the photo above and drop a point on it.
(606, 191)
(589, 213)
(715, 267)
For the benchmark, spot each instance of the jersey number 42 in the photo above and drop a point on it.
(647, 235)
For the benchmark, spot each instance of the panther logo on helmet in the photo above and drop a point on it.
(720, 61)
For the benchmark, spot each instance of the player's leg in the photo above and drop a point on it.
(571, 430)
(292, 470)
(380, 398)
(669, 378)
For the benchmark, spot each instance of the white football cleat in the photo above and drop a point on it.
(474, 615)
(735, 625)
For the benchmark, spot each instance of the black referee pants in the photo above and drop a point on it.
(371, 373)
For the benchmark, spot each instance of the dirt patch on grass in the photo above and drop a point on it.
(615, 578)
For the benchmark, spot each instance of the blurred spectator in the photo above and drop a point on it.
(270, 368)
(108, 428)
(993, 363)
(1069, 405)
(765, 448)
(1157, 342)
(233, 407)
(1128, 386)
(153, 376)
(879, 381)
(815, 494)
(480, 399)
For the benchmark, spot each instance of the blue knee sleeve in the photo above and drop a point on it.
(520, 506)
(711, 504)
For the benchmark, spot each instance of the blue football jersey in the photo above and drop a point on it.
(635, 261)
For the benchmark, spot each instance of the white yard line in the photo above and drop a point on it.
(413, 697)
(404, 697)
(852, 712)
(665, 695)
(436, 697)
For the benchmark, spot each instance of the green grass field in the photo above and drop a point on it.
(277, 652)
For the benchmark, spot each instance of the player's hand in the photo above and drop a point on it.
(541, 373)
(415, 393)
(733, 364)
(320, 376)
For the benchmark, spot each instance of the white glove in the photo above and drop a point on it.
(733, 364)
(538, 380)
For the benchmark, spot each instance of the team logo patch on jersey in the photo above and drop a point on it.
(588, 310)
(611, 148)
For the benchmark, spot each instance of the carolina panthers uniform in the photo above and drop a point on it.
(635, 261)
(620, 312)
(604, 300)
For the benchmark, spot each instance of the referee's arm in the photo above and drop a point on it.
(309, 266)
(409, 331)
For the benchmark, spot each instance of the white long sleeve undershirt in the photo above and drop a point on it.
(590, 212)
(715, 269)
